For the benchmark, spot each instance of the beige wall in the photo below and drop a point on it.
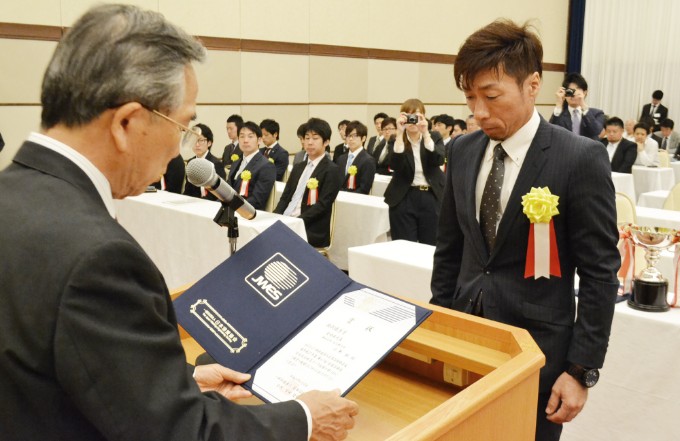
(291, 88)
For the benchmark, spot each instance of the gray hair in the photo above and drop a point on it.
(112, 55)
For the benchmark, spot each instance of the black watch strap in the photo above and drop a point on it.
(588, 377)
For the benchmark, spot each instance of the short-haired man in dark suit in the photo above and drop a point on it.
(381, 151)
(375, 140)
(444, 125)
(202, 150)
(655, 109)
(313, 185)
(174, 176)
(356, 167)
(341, 148)
(272, 150)
(234, 124)
(670, 139)
(622, 153)
(571, 110)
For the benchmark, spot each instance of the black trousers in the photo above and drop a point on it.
(546, 430)
(415, 218)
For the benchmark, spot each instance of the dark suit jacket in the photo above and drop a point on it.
(230, 149)
(263, 175)
(338, 151)
(191, 190)
(577, 170)
(365, 172)
(280, 157)
(624, 157)
(591, 123)
(661, 110)
(382, 167)
(370, 146)
(174, 176)
(317, 217)
(88, 336)
(403, 170)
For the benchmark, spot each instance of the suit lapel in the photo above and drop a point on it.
(477, 153)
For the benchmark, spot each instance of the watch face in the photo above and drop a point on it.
(590, 377)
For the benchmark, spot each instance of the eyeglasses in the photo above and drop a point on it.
(202, 140)
(189, 137)
(353, 136)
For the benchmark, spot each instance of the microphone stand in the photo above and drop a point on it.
(225, 217)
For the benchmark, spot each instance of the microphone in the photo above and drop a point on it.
(201, 173)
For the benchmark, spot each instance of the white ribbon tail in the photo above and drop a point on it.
(541, 250)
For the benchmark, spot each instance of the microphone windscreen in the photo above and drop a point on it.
(200, 172)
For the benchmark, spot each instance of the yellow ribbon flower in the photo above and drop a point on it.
(312, 184)
(245, 175)
(234, 157)
(352, 170)
(271, 160)
(540, 205)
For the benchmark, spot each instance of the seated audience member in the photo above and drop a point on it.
(571, 110)
(622, 153)
(202, 150)
(253, 175)
(173, 178)
(630, 129)
(649, 122)
(375, 140)
(459, 128)
(313, 186)
(670, 140)
(357, 167)
(272, 150)
(381, 152)
(341, 148)
(302, 154)
(647, 148)
(232, 150)
(657, 111)
(415, 191)
(471, 123)
(444, 125)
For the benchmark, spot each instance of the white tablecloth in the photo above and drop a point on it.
(652, 179)
(675, 165)
(623, 183)
(658, 217)
(179, 234)
(359, 220)
(653, 199)
(380, 184)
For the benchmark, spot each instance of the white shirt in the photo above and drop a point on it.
(97, 177)
(418, 175)
(650, 155)
(516, 147)
(611, 149)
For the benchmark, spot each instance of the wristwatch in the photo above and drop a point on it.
(586, 376)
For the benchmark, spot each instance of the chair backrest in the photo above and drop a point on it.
(672, 201)
(625, 209)
(324, 250)
(664, 160)
(269, 206)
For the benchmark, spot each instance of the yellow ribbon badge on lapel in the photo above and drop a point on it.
(540, 206)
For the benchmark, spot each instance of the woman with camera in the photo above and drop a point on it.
(415, 191)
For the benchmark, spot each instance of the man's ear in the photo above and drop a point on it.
(533, 82)
(126, 121)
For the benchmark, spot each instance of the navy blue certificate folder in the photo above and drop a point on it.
(257, 300)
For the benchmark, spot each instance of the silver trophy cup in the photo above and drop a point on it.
(650, 287)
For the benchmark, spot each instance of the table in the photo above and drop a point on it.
(380, 184)
(675, 165)
(359, 220)
(636, 398)
(623, 183)
(179, 234)
(658, 217)
(652, 179)
(653, 199)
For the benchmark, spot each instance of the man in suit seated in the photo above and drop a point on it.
(341, 148)
(571, 110)
(272, 150)
(444, 125)
(375, 140)
(202, 150)
(173, 178)
(622, 153)
(381, 152)
(313, 186)
(670, 140)
(459, 128)
(234, 124)
(357, 167)
(629, 126)
(471, 123)
(647, 148)
(657, 111)
(253, 175)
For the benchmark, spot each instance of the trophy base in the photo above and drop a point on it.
(649, 296)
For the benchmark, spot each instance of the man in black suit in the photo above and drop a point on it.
(357, 167)
(655, 110)
(173, 178)
(375, 140)
(260, 173)
(313, 186)
(444, 125)
(481, 255)
(622, 153)
(272, 150)
(341, 148)
(381, 152)
(571, 110)
(202, 150)
(231, 150)
(89, 342)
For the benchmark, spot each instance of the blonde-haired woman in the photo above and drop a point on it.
(415, 191)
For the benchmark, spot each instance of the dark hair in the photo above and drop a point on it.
(379, 115)
(344, 122)
(205, 131)
(301, 131)
(447, 120)
(667, 123)
(647, 120)
(641, 125)
(657, 95)
(236, 119)
(271, 126)
(387, 121)
(575, 78)
(614, 121)
(460, 123)
(435, 119)
(320, 127)
(501, 45)
(252, 126)
(361, 129)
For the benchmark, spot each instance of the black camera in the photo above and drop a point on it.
(569, 92)
(412, 119)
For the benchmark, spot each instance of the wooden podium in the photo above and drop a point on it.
(456, 377)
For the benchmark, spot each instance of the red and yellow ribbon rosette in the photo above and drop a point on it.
(543, 260)
(352, 180)
(245, 182)
(313, 193)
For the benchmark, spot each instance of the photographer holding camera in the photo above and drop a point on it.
(571, 110)
(415, 191)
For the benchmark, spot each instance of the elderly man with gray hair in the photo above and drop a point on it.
(88, 339)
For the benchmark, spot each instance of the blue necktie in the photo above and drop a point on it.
(350, 159)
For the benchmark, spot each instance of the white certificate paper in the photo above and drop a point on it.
(337, 348)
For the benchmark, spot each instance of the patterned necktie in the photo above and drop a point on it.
(489, 212)
(350, 159)
(575, 122)
(652, 110)
(266, 152)
(663, 143)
